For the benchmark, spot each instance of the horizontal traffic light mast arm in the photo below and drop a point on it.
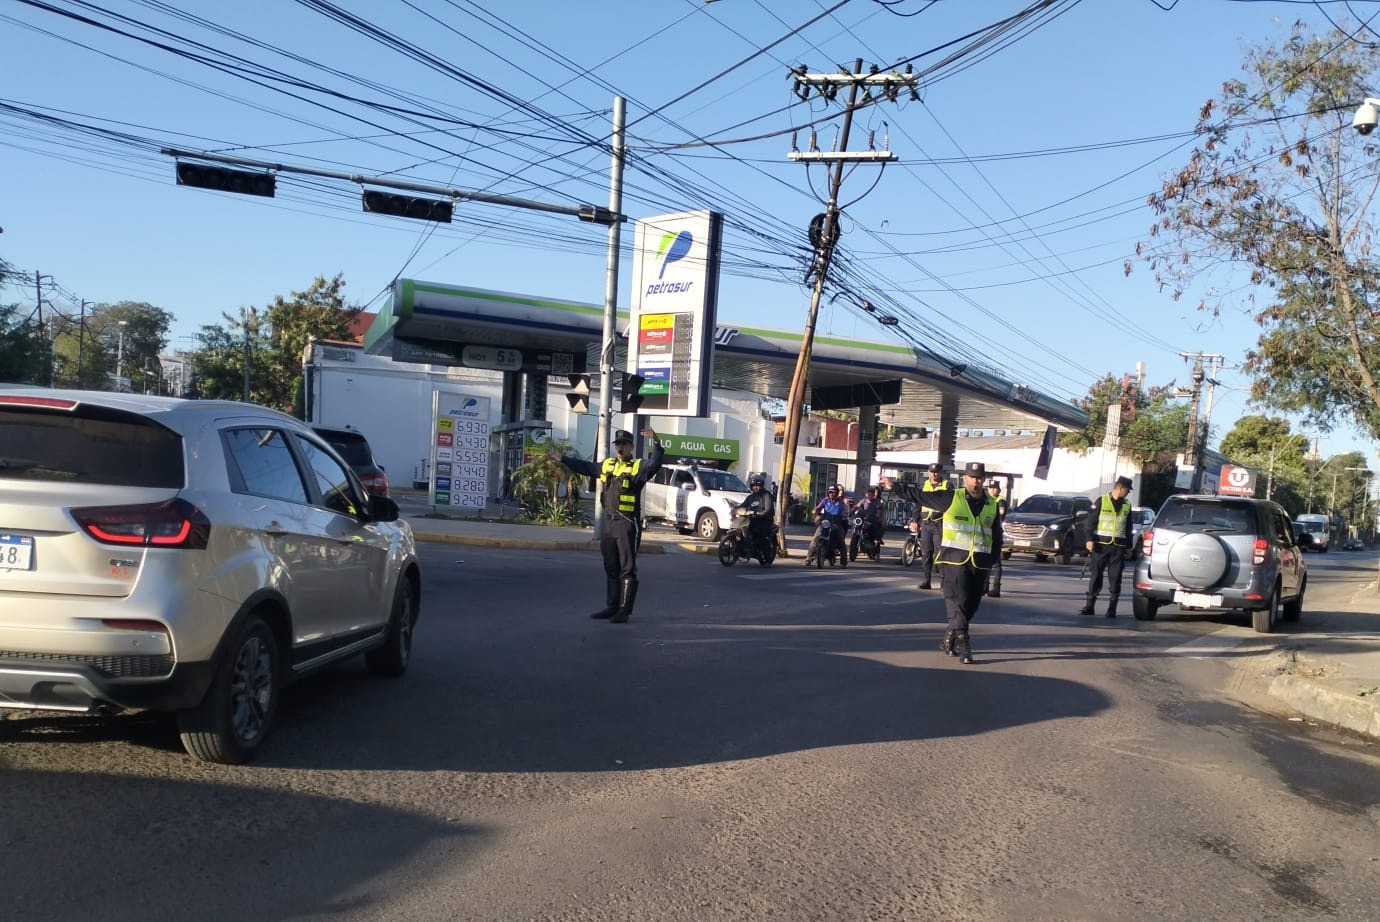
(591, 213)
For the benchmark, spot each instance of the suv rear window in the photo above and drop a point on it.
(90, 444)
(353, 448)
(1228, 518)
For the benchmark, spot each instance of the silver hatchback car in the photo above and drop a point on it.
(1221, 552)
(187, 556)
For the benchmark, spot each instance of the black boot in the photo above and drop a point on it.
(946, 646)
(610, 599)
(963, 648)
(625, 609)
(994, 592)
(1111, 609)
(1087, 608)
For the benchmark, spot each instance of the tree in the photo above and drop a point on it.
(276, 339)
(1281, 186)
(23, 349)
(1266, 444)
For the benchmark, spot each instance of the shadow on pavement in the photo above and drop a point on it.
(85, 846)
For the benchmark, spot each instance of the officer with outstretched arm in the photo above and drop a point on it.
(621, 479)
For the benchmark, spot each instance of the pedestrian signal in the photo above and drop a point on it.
(632, 393)
(578, 395)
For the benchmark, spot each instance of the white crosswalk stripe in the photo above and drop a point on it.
(1214, 644)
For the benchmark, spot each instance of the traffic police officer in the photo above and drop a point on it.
(994, 575)
(1109, 545)
(621, 480)
(931, 532)
(969, 542)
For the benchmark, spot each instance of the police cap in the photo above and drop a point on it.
(622, 435)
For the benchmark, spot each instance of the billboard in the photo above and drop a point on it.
(1236, 481)
(675, 298)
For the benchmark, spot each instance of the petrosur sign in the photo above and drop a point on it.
(700, 446)
(675, 297)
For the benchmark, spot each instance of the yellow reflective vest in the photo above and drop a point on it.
(1111, 525)
(622, 472)
(964, 534)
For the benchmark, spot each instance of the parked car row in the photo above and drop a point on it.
(188, 556)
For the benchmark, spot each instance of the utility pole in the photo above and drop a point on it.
(1191, 451)
(826, 237)
(246, 362)
(81, 340)
(602, 447)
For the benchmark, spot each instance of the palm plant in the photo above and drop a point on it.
(549, 490)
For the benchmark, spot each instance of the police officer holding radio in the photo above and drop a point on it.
(1109, 545)
(621, 479)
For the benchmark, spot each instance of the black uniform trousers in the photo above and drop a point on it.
(931, 533)
(619, 545)
(964, 585)
(1109, 559)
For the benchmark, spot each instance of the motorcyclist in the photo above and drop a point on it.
(835, 508)
(761, 511)
(873, 515)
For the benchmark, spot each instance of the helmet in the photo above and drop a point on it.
(756, 481)
(833, 488)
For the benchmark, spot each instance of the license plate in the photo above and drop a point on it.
(1021, 542)
(1197, 599)
(16, 552)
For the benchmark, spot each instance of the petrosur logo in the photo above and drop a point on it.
(673, 248)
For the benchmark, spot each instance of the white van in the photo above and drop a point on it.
(1317, 526)
(693, 498)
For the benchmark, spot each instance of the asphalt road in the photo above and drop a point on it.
(755, 744)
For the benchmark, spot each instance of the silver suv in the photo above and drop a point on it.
(1217, 552)
(187, 556)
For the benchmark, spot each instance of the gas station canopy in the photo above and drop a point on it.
(458, 325)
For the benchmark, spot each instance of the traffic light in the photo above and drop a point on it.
(408, 206)
(632, 393)
(201, 176)
(578, 396)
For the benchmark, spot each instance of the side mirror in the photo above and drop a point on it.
(382, 509)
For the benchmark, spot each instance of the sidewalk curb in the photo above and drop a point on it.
(524, 544)
(1350, 712)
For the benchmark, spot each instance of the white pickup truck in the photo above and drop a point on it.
(693, 498)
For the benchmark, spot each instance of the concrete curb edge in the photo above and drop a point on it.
(1310, 699)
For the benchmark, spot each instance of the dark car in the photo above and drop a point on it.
(1046, 526)
(354, 450)
(1206, 553)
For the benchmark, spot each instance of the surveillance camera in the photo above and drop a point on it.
(1366, 117)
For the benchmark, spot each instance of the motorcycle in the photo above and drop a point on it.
(828, 542)
(738, 543)
(911, 549)
(861, 540)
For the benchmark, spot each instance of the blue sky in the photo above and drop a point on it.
(982, 252)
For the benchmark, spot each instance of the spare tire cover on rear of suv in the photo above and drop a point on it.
(1198, 561)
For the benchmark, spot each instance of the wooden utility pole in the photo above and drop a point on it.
(824, 235)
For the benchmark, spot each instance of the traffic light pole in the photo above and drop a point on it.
(608, 345)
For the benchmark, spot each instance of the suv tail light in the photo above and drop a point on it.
(1147, 542)
(175, 523)
(376, 483)
(1259, 550)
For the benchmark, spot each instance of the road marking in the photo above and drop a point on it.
(1214, 644)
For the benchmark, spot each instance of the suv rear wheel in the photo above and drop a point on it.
(1290, 610)
(1263, 619)
(1143, 607)
(231, 722)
